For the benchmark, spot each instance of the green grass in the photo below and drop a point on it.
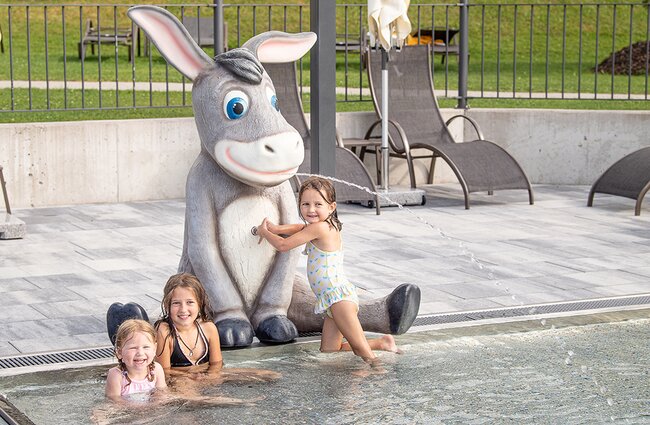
(175, 99)
(502, 57)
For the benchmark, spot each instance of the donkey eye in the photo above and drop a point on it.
(272, 98)
(235, 104)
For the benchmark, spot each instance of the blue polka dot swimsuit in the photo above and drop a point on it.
(326, 278)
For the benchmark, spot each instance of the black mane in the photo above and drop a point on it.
(242, 63)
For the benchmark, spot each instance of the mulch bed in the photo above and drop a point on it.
(621, 60)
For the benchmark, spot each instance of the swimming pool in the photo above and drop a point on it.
(519, 373)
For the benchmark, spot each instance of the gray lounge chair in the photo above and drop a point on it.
(202, 30)
(415, 122)
(348, 166)
(628, 177)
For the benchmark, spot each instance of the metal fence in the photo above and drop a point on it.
(71, 57)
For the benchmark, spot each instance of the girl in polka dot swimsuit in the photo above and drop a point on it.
(336, 296)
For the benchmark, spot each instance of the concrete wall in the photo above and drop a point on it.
(565, 146)
(116, 161)
(96, 161)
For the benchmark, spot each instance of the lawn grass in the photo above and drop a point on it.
(175, 100)
(533, 48)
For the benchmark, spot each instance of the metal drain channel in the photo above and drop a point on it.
(469, 316)
(435, 319)
(54, 358)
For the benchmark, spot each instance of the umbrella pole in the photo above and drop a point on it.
(384, 119)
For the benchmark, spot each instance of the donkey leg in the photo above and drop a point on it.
(234, 327)
(118, 313)
(272, 326)
(392, 314)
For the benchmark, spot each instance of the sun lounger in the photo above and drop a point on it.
(628, 177)
(415, 122)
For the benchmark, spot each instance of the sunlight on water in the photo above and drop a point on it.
(509, 378)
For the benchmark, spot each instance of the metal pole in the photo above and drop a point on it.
(463, 55)
(323, 88)
(384, 119)
(4, 191)
(218, 27)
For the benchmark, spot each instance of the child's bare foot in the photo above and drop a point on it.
(387, 343)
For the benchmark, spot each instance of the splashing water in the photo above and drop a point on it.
(602, 390)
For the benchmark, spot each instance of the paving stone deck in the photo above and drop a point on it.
(58, 281)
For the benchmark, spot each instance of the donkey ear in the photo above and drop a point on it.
(280, 47)
(172, 39)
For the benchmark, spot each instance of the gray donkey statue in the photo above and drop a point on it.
(248, 154)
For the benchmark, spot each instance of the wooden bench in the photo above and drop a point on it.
(351, 42)
(442, 40)
(108, 35)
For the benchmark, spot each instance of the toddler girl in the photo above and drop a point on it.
(336, 296)
(137, 372)
(186, 334)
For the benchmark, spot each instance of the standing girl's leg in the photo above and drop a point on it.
(332, 338)
(345, 323)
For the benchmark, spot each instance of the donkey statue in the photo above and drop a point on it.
(248, 154)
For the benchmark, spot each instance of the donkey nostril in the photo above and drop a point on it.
(269, 148)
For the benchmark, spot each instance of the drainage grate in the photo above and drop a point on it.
(469, 316)
(436, 319)
(308, 334)
(54, 358)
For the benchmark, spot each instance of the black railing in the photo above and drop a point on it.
(72, 57)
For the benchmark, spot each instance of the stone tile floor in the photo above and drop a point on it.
(57, 282)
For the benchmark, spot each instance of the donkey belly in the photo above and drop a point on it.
(248, 262)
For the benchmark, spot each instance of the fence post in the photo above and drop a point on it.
(463, 55)
(218, 27)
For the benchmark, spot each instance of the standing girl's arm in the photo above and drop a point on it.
(114, 384)
(307, 233)
(164, 346)
(284, 229)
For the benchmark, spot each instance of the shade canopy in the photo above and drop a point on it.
(388, 22)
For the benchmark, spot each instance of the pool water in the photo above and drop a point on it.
(589, 374)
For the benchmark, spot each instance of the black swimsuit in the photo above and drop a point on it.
(179, 359)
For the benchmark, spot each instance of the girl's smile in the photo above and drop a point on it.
(184, 308)
(313, 208)
(137, 353)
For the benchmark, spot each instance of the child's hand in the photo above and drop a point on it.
(271, 227)
(262, 230)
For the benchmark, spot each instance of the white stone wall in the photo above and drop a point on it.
(115, 161)
(96, 161)
(565, 146)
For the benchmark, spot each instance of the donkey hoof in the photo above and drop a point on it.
(403, 306)
(276, 330)
(235, 333)
(118, 313)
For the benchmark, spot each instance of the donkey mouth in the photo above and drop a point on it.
(289, 171)
(268, 161)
